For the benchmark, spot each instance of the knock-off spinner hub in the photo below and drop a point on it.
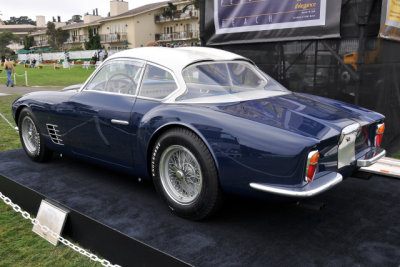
(180, 174)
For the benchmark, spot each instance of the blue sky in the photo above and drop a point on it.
(65, 9)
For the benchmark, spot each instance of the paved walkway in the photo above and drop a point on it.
(24, 90)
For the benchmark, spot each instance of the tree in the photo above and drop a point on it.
(75, 18)
(56, 36)
(61, 37)
(28, 42)
(195, 3)
(51, 33)
(20, 20)
(169, 11)
(94, 41)
(6, 38)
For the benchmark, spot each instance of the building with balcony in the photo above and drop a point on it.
(180, 26)
(21, 31)
(79, 32)
(132, 28)
(140, 26)
(40, 39)
(125, 28)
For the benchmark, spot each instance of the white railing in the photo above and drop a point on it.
(166, 37)
(42, 43)
(191, 14)
(113, 38)
(179, 36)
(77, 39)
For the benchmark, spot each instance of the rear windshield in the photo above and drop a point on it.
(227, 81)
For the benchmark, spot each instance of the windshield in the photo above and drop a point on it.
(227, 82)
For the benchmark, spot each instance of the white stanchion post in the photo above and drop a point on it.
(15, 80)
(26, 78)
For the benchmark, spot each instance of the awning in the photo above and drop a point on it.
(23, 51)
(42, 49)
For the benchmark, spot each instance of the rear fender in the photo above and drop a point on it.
(170, 125)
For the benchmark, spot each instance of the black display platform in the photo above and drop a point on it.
(359, 224)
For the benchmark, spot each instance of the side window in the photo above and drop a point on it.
(157, 83)
(243, 76)
(119, 76)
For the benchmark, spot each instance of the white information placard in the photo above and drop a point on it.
(51, 216)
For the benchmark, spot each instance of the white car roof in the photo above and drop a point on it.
(177, 58)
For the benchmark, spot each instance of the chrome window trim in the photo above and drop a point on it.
(110, 93)
(178, 79)
(135, 61)
(168, 97)
(254, 67)
(259, 72)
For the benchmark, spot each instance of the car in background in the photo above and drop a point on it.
(201, 122)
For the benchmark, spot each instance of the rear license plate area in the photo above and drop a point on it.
(346, 149)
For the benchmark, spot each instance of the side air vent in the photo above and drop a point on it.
(54, 135)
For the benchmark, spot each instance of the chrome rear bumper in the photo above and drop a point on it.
(371, 157)
(317, 186)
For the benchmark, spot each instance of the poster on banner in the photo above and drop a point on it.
(232, 16)
(226, 22)
(390, 24)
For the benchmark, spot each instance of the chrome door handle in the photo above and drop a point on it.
(119, 122)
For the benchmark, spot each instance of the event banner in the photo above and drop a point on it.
(247, 21)
(259, 15)
(390, 25)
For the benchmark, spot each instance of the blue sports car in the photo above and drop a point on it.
(201, 122)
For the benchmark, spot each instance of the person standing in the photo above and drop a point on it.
(9, 66)
(101, 55)
(105, 54)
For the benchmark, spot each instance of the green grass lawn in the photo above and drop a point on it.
(8, 137)
(19, 246)
(48, 76)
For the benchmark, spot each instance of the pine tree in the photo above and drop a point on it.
(93, 42)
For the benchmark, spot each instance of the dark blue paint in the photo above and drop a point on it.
(264, 140)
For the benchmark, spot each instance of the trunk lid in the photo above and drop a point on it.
(308, 115)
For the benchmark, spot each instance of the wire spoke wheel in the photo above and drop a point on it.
(180, 174)
(185, 175)
(30, 136)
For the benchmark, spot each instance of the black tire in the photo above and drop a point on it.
(198, 158)
(35, 149)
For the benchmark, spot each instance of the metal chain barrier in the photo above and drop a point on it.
(46, 229)
(9, 123)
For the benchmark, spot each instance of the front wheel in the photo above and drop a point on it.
(185, 175)
(31, 138)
